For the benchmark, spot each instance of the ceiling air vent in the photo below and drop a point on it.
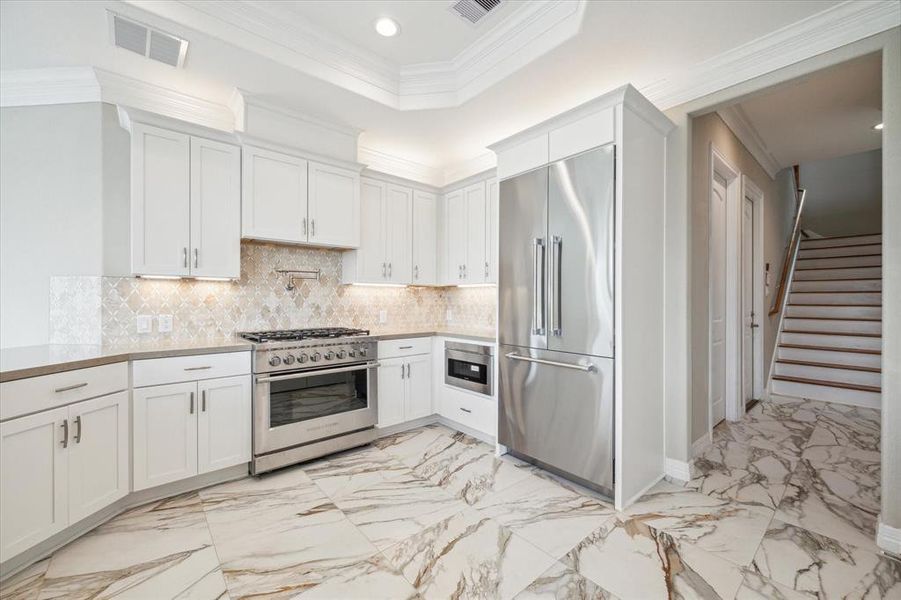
(473, 10)
(146, 41)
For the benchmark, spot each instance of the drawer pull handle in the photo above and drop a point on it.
(198, 368)
(70, 387)
(466, 410)
(404, 347)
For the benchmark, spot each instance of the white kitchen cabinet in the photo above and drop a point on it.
(215, 209)
(470, 232)
(425, 238)
(334, 206)
(399, 229)
(224, 425)
(274, 196)
(476, 266)
(392, 388)
(160, 201)
(455, 220)
(491, 230)
(418, 387)
(33, 480)
(405, 380)
(165, 434)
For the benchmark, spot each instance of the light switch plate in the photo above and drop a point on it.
(144, 323)
(165, 323)
(383, 316)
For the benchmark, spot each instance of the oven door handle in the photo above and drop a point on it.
(304, 374)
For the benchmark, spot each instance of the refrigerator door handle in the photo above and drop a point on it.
(589, 368)
(538, 290)
(556, 248)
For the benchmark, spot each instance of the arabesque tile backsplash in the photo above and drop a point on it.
(259, 300)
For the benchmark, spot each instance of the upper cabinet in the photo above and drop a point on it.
(185, 198)
(290, 199)
(425, 238)
(470, 234)
(491, 230)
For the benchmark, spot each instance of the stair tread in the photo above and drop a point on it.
(809, 363)
(845, 279)
(846, 333)
(831, 348)
(836, 291)
(841, 237)
(854, 305)
(833, 268)
(840, 256)
(833, 318)
(827, 383)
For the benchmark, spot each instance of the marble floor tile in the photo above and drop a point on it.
(835, 502)
(25, 584)
(742, 473)
(161, 548)
(546, 514)
(847, 429)
(561, 582)
(632, 560)
(795, 414)
(559, 480)
(723, 528)
(757, 587)
(808, 562)
(468, 556)
(773, 436)
(414, 446)
(345, 473)
(370, 579)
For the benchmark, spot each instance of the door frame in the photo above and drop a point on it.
(719, 165)
(751, 191)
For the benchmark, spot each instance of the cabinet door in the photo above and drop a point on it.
(425, 238)
(224, 421)
(398, 228)
(33, 480)
(274, 196)
(476, 259)
(160, 203)
(418, 398)
(98, 454)
(334, 206)
(372, 255)
(491, 229)
(165, 434)
(215, 209)
(455, 237)
(392, 382)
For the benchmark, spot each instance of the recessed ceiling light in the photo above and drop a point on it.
(878, 127)
(387, 27)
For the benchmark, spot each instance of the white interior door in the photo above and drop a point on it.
(747, 300)
(717, 254)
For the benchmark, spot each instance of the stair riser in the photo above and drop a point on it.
(835, 312)
(827, 394)
(847, 241)
(834, 263)
(832, 341)
(840, 251)
(865, 285)
(838, 358)
(833, 325)
(827, 374)
(838, 273)
(835, 298)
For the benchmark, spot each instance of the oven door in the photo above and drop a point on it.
(299, 407)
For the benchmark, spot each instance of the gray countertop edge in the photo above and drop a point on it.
(163, 351)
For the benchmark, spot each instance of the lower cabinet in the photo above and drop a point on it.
(58, 466)
(184, 429)
(405, 389)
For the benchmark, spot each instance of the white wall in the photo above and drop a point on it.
(50, 210)
(844, 194)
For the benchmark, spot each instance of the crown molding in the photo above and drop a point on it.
(479, 167)
(738, 122)
(400, 167)
(836, 26)
(64, 85)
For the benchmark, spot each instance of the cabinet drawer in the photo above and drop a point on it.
(470, 410)
(407, 347)
(159, 371)
(34, 394)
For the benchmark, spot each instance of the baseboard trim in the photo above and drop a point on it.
(629, 502)
(381, 432)
(889, 539)
(479, 435)
(678, 470)
(701, 444)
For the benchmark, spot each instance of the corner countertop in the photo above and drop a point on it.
(33, 361)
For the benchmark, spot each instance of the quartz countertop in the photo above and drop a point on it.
(33, 361)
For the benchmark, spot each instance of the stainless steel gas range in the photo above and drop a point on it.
(315, 392)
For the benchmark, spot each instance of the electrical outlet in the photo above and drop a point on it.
(144, 323)
(165, 323)
(449, 315)
(383, 316)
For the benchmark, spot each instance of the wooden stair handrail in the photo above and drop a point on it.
(794, 242)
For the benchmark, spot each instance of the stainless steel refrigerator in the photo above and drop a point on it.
(555, 317)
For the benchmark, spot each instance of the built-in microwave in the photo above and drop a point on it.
(469, 366)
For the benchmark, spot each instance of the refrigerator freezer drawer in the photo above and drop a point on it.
(557, 408)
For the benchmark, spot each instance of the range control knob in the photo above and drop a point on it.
(362, 351)
(342, 354)
(289, 359)
(329, 355)
(316, 356)
(275, 361)
(302, 358)
(351, 353)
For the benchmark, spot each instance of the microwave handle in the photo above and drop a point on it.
(304, 374)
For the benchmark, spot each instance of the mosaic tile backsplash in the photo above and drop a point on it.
(93, 310)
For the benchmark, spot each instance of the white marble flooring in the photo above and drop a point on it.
(782, 505)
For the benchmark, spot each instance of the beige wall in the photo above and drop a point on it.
(706, 130)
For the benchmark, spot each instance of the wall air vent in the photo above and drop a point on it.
(473, 10)
(147, 41)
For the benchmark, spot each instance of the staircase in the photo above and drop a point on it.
(830, 345)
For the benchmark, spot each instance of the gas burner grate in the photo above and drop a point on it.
(296, 335)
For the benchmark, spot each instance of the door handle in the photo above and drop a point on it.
(304, 225)
(408, 370)
(389, 270)
(538, 294)
(312, 227)
(184, 257)
(192, 403)
(65, 440)
(402, 371)
(556, 316)
(203, 401)
(78, 429)
(589, 368)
